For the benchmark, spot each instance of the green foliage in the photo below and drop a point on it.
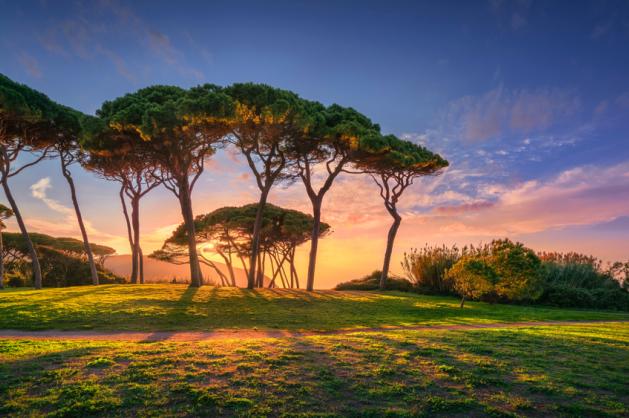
(577, 280)
(372, 282)
(426, 268)
(501, 270)
(518, 268)
(473, 278)
(63, 261)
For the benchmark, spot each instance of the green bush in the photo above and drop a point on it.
(577, 280)
(426, 268)
(372, 282)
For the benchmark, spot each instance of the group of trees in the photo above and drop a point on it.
(164, 135)
(228, 233)
(63, 261)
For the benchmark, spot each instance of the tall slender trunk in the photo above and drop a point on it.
(186, 211)
(1, 260)
(387, 255)
(37, 278)
(314, 243)
(134, 267)
(79, 217)
(255, 240)
(141, 256)
(137, 253)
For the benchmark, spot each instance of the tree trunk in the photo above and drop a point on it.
(75, 202)
(1, 261)
(255, 239)
(134, 268)
(186, 211)
(141, 256)
(137, 254)
(462, 302)
(314, 244)
(37, 278)
(387, 255)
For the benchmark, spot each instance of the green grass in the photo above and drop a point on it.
(578, 370)
(177, 307)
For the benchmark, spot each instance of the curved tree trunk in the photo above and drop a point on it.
(255, 240)
(387, 255)
(75, 202)
(314, 244)
(134, 267)
(37, 277)
(185, 201)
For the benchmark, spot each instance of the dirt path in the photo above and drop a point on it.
(224, 334)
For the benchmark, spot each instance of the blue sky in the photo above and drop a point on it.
(529, 100)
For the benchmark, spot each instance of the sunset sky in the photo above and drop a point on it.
(528, 100)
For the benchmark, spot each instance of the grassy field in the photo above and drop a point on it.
(576, 370)
(177, 307)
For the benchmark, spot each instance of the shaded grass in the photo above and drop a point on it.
(176, 307)
(576, 370)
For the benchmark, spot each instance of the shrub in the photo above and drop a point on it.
(426, 268)
(518, 268)
(372, 282)
(473, 278)
(577, 280)
(501, 270)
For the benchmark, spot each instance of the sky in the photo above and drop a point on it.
(528, 100)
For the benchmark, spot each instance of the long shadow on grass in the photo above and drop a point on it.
(539, 372)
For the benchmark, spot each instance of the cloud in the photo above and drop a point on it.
(500, 112)
(39, 191)
(30, 64)
(94, 30)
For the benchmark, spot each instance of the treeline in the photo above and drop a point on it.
(165, 135)
(507, 272)
(63, 261)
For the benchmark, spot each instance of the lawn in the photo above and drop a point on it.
(577, 370)
(177, 307)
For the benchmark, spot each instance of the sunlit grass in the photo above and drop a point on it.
(177, 307)
(578, 370)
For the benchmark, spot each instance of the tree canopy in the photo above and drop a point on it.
(228, 233)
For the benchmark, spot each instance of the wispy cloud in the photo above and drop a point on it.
(94, 31)
(30, 64)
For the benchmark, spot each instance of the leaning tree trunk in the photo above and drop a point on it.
(75, 202)
(1, 260)
(186, 211)
(37, 278)
(314, 244)
(134, 266)
(255, 240)
(387, 255)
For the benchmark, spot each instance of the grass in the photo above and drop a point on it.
(578, 370)
(176, 307)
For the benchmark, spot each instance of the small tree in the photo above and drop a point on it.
(5, 213)
(177, 130)
(394, 165)
(472, 278)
